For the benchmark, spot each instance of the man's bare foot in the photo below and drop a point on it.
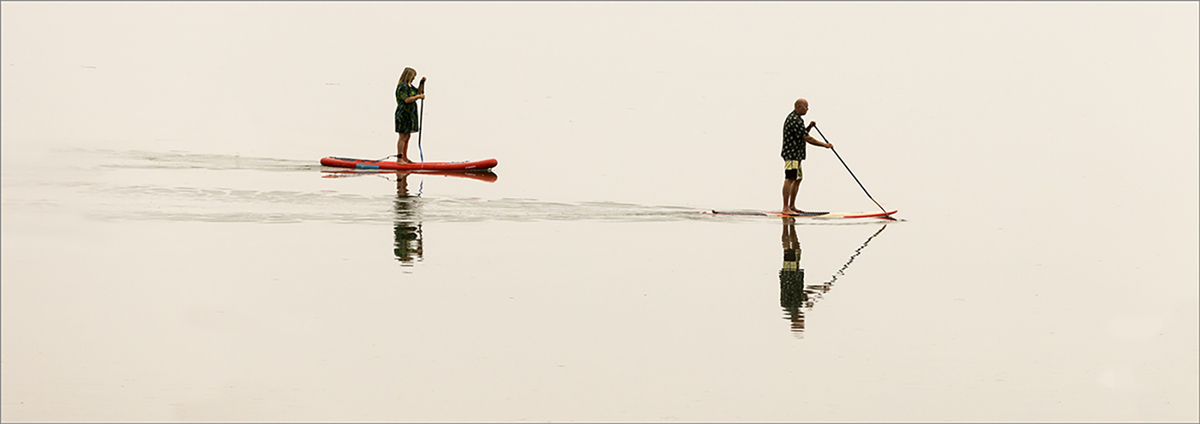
(794, 210)
(403, 160)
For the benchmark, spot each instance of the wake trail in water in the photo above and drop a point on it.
(209, 199)
(137, 159)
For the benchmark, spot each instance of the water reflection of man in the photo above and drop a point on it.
(792, 296)
(407, 225)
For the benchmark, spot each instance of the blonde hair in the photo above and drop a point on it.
(407, 76)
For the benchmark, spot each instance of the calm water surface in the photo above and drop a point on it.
(189, 260)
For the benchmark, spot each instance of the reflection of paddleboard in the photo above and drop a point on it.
(815, 215)
(479, 165)
(485, 176)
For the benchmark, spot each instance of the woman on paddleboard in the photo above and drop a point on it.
(407, 120)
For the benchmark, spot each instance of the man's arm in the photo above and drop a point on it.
(815, 142)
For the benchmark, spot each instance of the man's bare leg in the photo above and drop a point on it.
(791, 202)
(789, 195)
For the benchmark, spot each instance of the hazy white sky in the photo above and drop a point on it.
(971, 86)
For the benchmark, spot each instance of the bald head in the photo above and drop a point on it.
(801, 106)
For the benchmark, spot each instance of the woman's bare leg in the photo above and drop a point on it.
(402, 148)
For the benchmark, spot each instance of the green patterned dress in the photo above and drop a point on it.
(407, 120)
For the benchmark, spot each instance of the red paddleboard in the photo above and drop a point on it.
(485, 176)
(478, 165)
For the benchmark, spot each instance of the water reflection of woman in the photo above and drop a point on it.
(407, 225)
(792, 296)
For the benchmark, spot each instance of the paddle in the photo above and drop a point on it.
(860, 184)
(421, 123)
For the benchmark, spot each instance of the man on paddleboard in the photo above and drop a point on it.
(795, 137)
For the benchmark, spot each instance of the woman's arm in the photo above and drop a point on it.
(420, 92)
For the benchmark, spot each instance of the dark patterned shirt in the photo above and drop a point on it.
(407, 120)
(793, 137)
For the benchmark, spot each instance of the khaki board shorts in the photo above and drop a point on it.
(791, 170)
